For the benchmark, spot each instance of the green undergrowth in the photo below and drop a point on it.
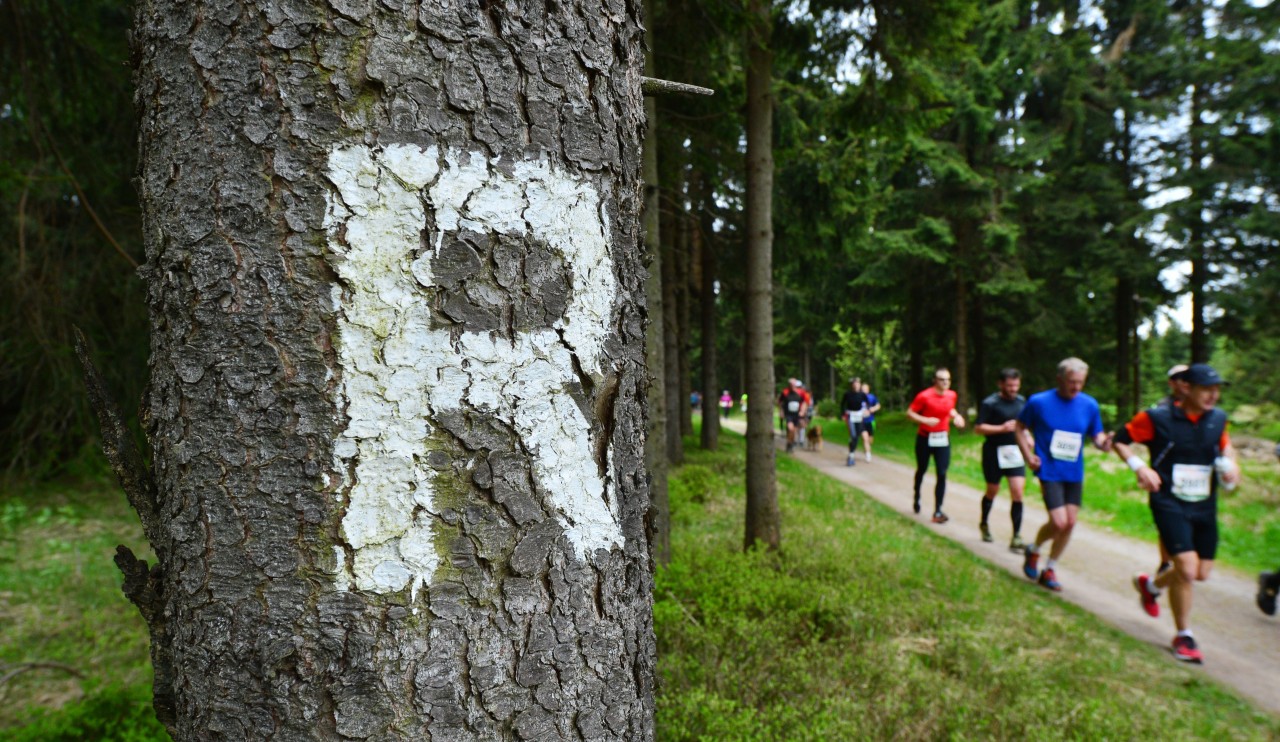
(1249, 517)
(867, 627)
(73, 648)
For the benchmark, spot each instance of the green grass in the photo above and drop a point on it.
(866, 626)
(1249, 517)
(60, 603)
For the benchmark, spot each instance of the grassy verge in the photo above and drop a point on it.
(868, 627)
(1249, 517)
(61, 607)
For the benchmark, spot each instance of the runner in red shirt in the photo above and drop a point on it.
(934, 409)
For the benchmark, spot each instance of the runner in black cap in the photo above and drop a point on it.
(1188, 443)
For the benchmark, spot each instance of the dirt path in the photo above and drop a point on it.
(1240, 644)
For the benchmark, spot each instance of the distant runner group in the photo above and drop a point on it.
(1191, 459)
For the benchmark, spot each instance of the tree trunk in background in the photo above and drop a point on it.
(1196, 247)
(655, 442)
(671, 334)
(763, 519)
(707, 312)
(981, 377)
(1126, 405)
(960, 372)
(684, 332)
(396, 404)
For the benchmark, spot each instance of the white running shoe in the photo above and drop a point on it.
(868, 457)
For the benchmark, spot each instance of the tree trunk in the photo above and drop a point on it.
(396, 405)
(961, 370)
(684, 332)
(671, 335)
(707, 310)
(763, 519)
(655, 449)
(1126, 405)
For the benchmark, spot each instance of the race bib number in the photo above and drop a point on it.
(855, 417)
(1191, 482)
(939, 440)
(1009, 457)
(793, 407)
(1065, 446)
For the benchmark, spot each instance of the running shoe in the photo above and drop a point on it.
(986, 532)
(1185, 650)
(868, 457)
(940, 517)
(1049, 581)
(1148, 593)
(1267, 592)
(1017, 544)
(915, 505)
(851, 459)
(1029, 561)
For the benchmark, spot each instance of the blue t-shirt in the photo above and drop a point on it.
(1047, 412)
(872, 402)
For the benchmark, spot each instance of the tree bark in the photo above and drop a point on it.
(396, 406)
(763, 519)
(655, 449)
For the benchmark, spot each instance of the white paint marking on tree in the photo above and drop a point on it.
(397, 370)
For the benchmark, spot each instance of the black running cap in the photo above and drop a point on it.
(1201, 374)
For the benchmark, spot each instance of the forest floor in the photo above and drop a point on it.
(1240, 644)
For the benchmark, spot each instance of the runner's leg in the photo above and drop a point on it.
(942, 459)
(922, 464)
(1063, 529)
(1017, 487)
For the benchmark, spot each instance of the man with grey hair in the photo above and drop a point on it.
(1059, 420)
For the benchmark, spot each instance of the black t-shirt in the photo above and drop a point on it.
(790, 397)
(996, 410)
(852, 401)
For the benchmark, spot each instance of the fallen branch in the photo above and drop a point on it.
(16, 670)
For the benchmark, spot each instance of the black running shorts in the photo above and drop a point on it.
(1058, 494)
(991, 471)
(1186, 527)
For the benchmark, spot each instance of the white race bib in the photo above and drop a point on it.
(1066, 446)
(1009, 457)
(855, 417)
(1191, 481)
(939, 440)
(793, 407)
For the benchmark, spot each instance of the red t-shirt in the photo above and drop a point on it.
(930, 403)
(1142, 430)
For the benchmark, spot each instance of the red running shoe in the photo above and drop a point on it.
(1142, 583)
(1030, 558)
(1184, 649)
(1049, 581)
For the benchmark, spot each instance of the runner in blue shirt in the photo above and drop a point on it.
(1060, 420)
(869, 419)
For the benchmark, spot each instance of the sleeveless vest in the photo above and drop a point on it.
(1179, 441)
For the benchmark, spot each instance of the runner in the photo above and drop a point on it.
(852, 406)
(1001, 456)
(792, 405)
(1059, 420)
(807, 416)
(726, 404)
(934, 409)
(1187, 443)
(1269, 582)
(869, 420)
(742, 403)
(1177, 391)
